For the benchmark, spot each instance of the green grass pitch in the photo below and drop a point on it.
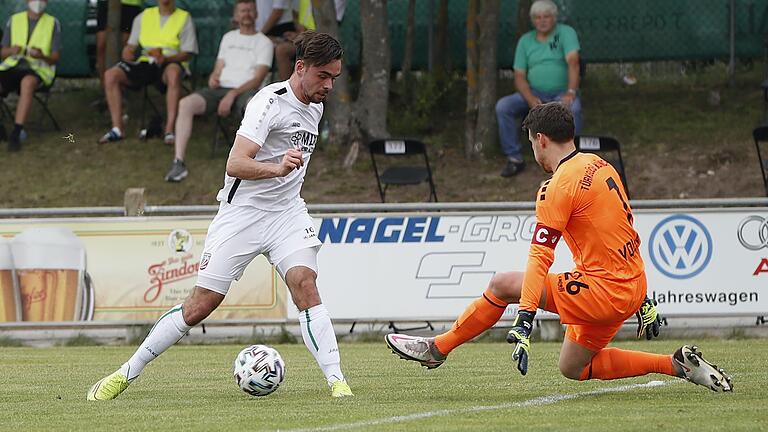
(191, 388)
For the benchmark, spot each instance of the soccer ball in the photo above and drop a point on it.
(259, 370)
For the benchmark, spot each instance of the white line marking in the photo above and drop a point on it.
(535, 402)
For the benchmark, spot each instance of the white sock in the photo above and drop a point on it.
(117, 131)
(320, 339)
(168, 330)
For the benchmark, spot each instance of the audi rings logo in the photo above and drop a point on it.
(753, 233)
(680, 247)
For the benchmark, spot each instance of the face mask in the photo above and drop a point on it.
(37, 6)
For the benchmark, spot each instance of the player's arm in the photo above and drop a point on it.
(552, 212)
(241, 163)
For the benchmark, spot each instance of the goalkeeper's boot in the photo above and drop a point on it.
(418, 349)
(701, 372)
(108, 387)
(340, 388)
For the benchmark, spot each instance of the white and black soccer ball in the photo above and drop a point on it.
(259, 370)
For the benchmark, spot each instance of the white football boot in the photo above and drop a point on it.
(701, 372)
(414, 348)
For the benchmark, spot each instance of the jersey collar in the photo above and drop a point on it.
(570, 156)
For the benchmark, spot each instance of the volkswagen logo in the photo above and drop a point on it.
(680, 247)
(753, 233)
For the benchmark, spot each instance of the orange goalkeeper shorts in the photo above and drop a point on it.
(594, 309)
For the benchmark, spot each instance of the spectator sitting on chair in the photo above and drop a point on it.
(245, 56)
(128, 11)
(546, 69)
(275, 19)
(30, 48)
(167, 38)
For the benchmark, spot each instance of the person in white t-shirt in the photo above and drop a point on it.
(244, 60)
(276, 20)
(261, 212)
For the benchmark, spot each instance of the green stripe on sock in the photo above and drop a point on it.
(161, 318)
(309, 330)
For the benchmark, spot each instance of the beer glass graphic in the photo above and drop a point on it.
(10, 299)
(51, 274)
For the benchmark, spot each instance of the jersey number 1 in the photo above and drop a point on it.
(612, 185)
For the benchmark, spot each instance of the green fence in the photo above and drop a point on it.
(609, 30)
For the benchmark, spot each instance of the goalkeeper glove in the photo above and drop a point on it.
(519, 335)
(648, 320)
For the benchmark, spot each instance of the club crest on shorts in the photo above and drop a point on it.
(204, 261)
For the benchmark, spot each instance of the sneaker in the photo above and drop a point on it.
(14, 141)
(178, 171)
(414, 348)
(513, 168)
(701, 372)
(112, 136)
(340, 389)
(108, 387)
(169, 138)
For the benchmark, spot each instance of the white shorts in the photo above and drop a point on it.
(237, 235)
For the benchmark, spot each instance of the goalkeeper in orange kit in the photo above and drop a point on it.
(584, 203)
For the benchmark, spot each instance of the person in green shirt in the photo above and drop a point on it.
(546, 69)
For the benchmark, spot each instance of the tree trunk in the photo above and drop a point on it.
(485, 134)
(340, 115)
(409, 28)
(374, 82)
(441, 55)
(114, 36)
(471, 108)
(523, 18)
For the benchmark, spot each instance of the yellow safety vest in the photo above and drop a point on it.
(42, 37)
(167, 37)
(133, 2)
(306, 18)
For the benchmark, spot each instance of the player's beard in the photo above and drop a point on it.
(319, 97)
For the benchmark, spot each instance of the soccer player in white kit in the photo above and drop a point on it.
(261, 212)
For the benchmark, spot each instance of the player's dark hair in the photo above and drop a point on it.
(552, 119)
(317, 49)
(237, 2)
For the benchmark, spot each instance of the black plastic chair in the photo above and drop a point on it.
(606, 147)
(761, 144)
(401, 175)
(41, 96)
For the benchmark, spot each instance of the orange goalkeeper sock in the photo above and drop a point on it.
(478, 317)
(613, 363)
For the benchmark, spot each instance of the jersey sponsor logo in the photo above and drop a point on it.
(304, 141)
(545, 236)
(680, 247)
(753, 232)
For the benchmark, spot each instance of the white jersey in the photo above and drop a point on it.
(277, 121)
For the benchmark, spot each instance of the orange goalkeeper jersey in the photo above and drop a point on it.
(585, 203)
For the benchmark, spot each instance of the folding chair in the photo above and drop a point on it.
(41, 96)
(400, 174)
(220, 130)
(153, 127)
(761, 142)
(609, 149)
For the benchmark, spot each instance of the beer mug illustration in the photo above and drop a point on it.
(10, 307)
(51, 273)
